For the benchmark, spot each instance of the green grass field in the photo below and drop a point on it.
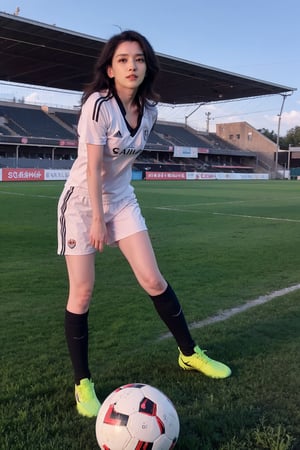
(220, 244)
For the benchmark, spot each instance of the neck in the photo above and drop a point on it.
(127, 97)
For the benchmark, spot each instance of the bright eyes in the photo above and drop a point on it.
(124, 59)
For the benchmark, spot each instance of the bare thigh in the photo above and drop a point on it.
(139, 253)
(81, 272)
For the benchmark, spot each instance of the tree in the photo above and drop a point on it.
(292, 137)
(269, 134)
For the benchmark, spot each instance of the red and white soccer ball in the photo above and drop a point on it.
(137, 417)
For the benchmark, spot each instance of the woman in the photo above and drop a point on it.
(98, 206)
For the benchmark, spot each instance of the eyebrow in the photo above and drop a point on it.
(127, 54)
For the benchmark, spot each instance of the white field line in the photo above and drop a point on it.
(246, 216)
(172, 208)
(228, 313)
(20, 194)
(182, 207)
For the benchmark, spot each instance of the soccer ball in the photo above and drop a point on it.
(137, 417)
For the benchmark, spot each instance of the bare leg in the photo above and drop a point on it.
(81, 282)
(81, 271)
(139, 253)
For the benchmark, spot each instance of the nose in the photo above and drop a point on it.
(132, 64)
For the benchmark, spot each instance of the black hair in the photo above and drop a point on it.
(101, 81)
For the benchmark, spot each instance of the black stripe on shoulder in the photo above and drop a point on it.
(97, 105)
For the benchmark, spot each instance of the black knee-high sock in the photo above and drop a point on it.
(169, 310)
(76, 331)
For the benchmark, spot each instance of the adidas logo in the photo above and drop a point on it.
(118, 134)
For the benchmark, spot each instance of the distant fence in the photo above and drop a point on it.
(7, 174)
(155, 176)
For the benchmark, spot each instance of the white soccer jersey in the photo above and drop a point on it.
(102, 122)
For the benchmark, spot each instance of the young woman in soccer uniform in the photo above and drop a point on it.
(98, 206)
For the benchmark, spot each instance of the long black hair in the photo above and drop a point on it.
(101, 80)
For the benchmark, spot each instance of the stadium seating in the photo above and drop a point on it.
(47, 130)
(4, 131)
(69, 118)
(24, 121)
(179, 135)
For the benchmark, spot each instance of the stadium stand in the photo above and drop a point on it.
(28, 121)
(46, 137)
(155, 139)
(179, 135)
(69, 118)
(4, 131)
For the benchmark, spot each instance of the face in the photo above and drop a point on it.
(128, 66)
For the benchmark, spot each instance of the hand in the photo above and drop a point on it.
(98, 235)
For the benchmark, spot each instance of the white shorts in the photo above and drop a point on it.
(122, 219)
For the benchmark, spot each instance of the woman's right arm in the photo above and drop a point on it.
(98, 233)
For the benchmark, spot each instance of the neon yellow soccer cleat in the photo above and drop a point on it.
(201, 362)
(87, 402)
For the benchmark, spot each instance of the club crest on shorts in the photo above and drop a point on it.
(71, 243)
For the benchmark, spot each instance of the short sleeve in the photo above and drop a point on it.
(93, 121)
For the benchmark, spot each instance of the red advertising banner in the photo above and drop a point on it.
(67, 143)
(165, 175)
(23, 174)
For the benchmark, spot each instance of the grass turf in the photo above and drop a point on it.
(219, 244)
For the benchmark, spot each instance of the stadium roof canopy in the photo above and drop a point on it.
(45, 55)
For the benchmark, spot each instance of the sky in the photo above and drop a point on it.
(259, 39)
